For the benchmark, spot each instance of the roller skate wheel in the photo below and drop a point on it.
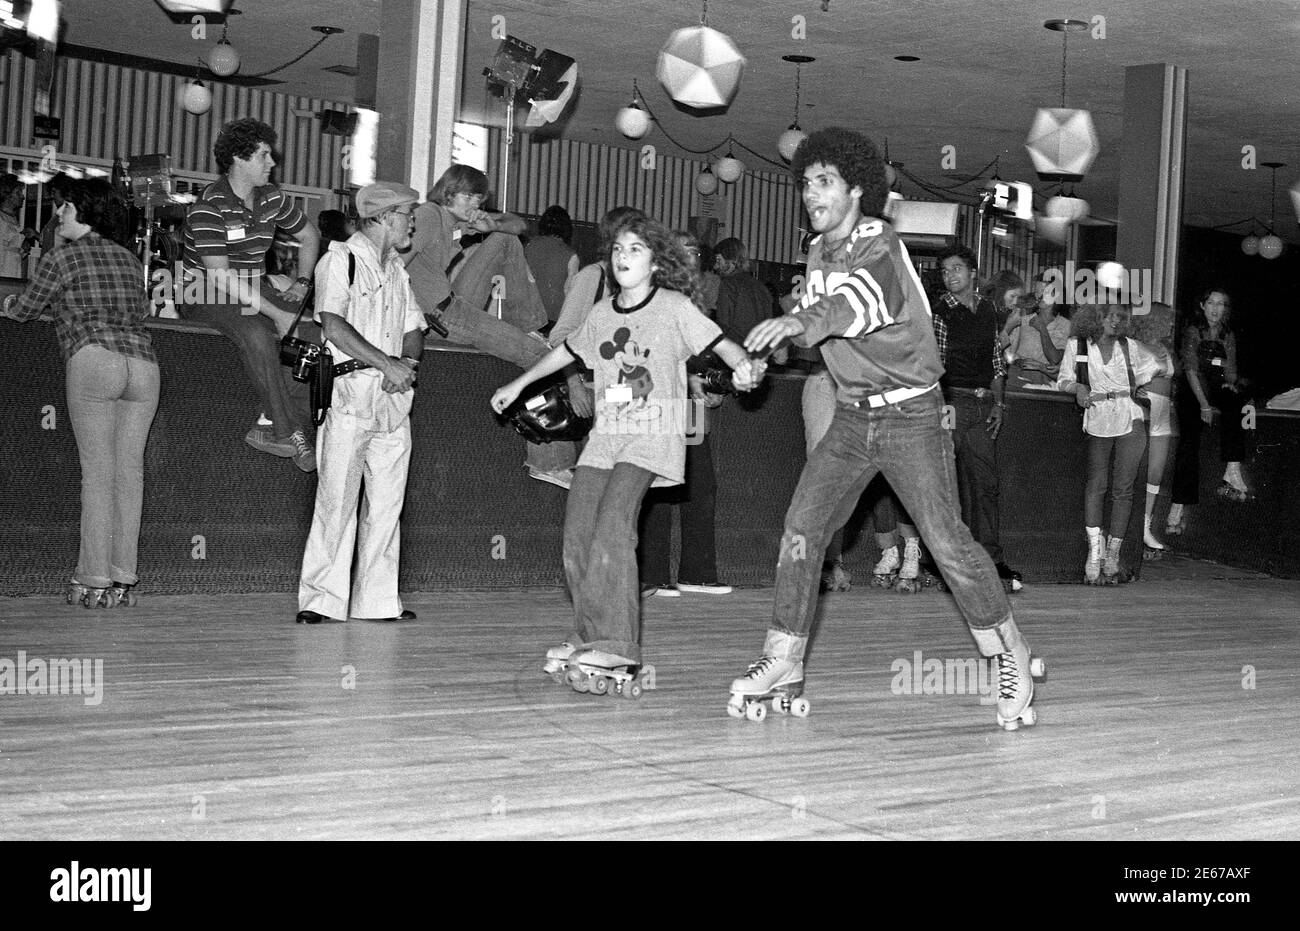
(1011, 725)
(632, 690)
(577, 680)
(734, 710)
(800, 707)
(617, 688)
(778, 705)
(1029, 716)
(129, 600)
(1038, 668)
(756, 711)
(599, 685)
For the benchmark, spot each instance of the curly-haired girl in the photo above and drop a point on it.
(637, 342)
(1106, 372)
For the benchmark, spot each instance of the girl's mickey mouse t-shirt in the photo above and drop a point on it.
(639, 357)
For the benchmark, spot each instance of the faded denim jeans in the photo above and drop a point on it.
(908, 444)
(112, 399)
(600, 523)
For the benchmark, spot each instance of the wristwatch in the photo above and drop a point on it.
(415, 363)
(302, 280)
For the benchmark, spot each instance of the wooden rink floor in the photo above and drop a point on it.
(221, 719)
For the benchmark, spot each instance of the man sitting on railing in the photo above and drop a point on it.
(228, 232)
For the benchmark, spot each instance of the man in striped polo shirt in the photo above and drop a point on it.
(228, 232)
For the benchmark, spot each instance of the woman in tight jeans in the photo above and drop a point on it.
(95, 289)
(1106, 371)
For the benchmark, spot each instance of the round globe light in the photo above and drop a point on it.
(1070, 209)
(223, 60)
(1110, 275)
(1270, 246)
(194, 97)
(1250, 245)
(706, 182)
(728, 169)
(789, 141)
(632, 122)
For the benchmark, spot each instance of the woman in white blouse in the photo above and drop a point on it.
(1106, 371)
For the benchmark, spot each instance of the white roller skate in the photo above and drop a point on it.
(602, 673)
(116, 595)
(909, 573)
(777, 676)
(1151, 547)
(885, 574)
(835, 578)
(557, 658)
(1017, 670)
(1096, 553)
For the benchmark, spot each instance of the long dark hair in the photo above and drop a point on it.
(1225, 323)
(99, 207)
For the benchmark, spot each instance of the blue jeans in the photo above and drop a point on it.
(906, 442)
(112, 399)
(600, 557)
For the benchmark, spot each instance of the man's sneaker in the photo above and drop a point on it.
(304, 457)
(562, 478)
(667, 591)
(648, 590)
(708, 588)
(261, 439)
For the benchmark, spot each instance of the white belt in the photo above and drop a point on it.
(893, 397)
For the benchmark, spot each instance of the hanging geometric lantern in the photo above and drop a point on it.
(700, 67)
(1062, 143)
(194, 97)
(1250, 245)
(706, 182)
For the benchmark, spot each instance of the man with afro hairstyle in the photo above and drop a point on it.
(865, 305)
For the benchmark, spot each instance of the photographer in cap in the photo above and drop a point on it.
(374, 328)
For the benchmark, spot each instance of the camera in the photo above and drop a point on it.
(301, 357)
(718, 381)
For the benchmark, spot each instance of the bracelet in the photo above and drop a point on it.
(302, 279)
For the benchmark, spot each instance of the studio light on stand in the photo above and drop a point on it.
(547, 81)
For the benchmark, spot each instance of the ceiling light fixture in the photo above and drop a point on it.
(791, 138)
(224, 59)
(1063, 142)
(632, 121)
(1270, 246)
(699, 66)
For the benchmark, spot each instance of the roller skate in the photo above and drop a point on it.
(1111, 573)
(1151, 547)
(775, 677)
(1017, 670)
(1096, 553)
(557, 658)
(602, 673)
(835, 578)
(910, 580)
(86, 596)
(885, 574)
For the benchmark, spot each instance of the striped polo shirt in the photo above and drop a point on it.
(220, 223)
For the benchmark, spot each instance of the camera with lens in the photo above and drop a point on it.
(717, 381)
(301, 357)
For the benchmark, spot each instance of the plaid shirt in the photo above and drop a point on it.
(950, 304)
(95, 289)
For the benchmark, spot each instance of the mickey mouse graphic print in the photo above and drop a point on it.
(639, 356)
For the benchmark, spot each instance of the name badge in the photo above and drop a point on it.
(618, 394)
(1217, 360)
(234, 232)
(535, 402)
